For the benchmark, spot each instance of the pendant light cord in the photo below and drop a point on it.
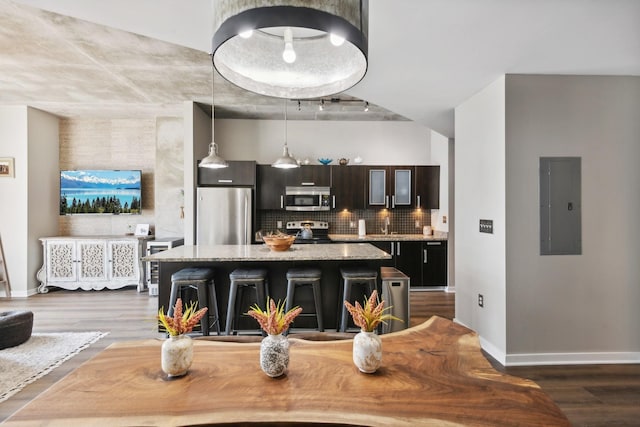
(213, 80)
(285, 122)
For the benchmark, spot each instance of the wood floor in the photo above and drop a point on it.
(590, 395)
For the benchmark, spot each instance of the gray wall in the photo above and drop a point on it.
(572, 306)
(480, 265)
(28, 199)
(550, 309)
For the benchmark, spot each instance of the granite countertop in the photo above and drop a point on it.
(303, 252)
(438, 236)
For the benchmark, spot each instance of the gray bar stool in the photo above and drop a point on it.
(354, 276)
(200, 278)
(243, 278)
(306, 276)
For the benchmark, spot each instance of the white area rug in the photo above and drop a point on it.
(23, 364)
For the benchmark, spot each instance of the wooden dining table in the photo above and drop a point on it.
(433, 374)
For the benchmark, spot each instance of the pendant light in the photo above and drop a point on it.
(286, 161)
(213, 161)
(295, 49)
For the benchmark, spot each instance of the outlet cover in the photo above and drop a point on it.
(486, 226)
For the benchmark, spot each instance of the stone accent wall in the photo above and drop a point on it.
(169, 177)
(109, 144)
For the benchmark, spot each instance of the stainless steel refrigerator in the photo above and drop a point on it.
(224, 216)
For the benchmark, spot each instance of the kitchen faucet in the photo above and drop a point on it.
(385, 230)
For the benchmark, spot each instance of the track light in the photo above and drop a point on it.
(366, 106)
(321, 105)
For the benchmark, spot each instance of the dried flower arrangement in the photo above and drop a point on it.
(371, 315)
(274, 320)
(181, 323)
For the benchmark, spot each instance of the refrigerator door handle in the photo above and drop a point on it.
(247, 225)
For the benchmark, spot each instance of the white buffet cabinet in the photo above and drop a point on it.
(92, 262)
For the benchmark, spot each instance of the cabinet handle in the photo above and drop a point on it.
(398, 243)
(434, 243)
(281, 201)
(393, 251)
(393, 201)
(386, 202)
(424, 257)
(225, 180)
(308, 183)
(418, 201)
(334, 201)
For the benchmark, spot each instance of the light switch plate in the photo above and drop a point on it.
(486, 226)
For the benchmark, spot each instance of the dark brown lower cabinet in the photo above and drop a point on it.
(434, 263)
(424, 262)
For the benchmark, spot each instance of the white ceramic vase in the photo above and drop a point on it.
(177, 355)
(274, 355)
(367, 351)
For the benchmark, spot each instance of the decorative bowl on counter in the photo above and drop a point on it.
(279, 243)
(325, 161)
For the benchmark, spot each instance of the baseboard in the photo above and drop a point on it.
(24, 294)
(538, 359)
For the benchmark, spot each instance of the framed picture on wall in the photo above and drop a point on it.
(6, 167)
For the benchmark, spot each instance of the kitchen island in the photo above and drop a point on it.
(225, 258)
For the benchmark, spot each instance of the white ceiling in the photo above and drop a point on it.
(425, 56)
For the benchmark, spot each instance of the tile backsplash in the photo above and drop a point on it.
(402, 221)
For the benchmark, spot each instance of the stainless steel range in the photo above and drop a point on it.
(309, 231)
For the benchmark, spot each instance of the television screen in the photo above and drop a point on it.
(100, 192)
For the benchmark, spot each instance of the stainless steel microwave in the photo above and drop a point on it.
(307, 198)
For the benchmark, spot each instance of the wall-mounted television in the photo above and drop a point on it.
(109, 192)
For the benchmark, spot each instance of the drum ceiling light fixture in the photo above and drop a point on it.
(292, 49)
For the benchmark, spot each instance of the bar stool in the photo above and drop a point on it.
(199, 278)
(354, 276)
(305, 276)
(243, 278)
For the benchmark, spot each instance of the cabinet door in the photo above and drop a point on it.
(61, 261)
(434, 268)
(123, 260)
(239, 173)
(408, 256)
(310, 175)
(427, 187)
(348, 187)
(270, 185)
(92, 260)
(402, 187)
(377, 185)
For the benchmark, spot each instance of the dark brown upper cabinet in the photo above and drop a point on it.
(427, 187)
(348, 188)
